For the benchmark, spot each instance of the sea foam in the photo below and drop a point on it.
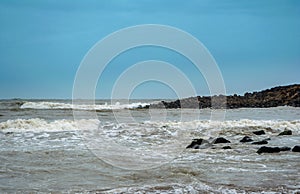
(58, 105)
(39, 125)
(205, 127)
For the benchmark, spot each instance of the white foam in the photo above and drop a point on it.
(57, 105)
(169, 128)
(208, 128)
(178, 188)
(41, 125)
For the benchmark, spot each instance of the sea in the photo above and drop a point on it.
(104, 146)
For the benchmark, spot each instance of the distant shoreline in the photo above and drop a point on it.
(288, 95)
(277, 96)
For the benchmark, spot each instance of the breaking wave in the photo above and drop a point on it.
(148, 128)
(58, 105)
(195, 187)
(41, 125)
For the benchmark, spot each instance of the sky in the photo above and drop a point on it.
(256, 44)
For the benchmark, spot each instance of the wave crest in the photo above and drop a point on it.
(58, 105)
(196, 127)
(41, 125)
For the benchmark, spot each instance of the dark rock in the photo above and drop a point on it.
(146, 107)
(285, 132)
(283, 149)
(260, 132)
(226, 147)
(196, 143)
(296, 149)
(1, 115)
(141, 107)
(9, 133)
(260, 142)
(246, 139)
(221, 140)
(277, 96)
(265, 149)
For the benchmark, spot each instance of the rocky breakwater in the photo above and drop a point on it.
(247, 142)
(277, 96)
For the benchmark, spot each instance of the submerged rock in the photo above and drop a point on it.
(226, 147)
(220, 140)
(246, 139)
(196, 143)
(260, 132)
(260, 142)
(296, 149)
(265, 149)
(285, 132)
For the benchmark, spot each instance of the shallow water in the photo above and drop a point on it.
(46, 150)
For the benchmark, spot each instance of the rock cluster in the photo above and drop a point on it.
(198, 143)
(277, 96)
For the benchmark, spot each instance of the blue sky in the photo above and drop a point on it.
(256, 43)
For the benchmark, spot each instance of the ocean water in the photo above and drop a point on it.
(115, 148)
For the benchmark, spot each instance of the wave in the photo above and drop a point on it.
(58, 105)
(41, 125)
(148, 128)
(196, 187)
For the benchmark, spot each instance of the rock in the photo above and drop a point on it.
(1, 115)
(246, 139)
(9, 133)
(296, 149)
(260, 132)
(277, 96)
(145, 107)
(285, 132)
(260, 142)
(220, 140)
(196, 143)
(265, 149)
(226, 147)
(283, 149)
